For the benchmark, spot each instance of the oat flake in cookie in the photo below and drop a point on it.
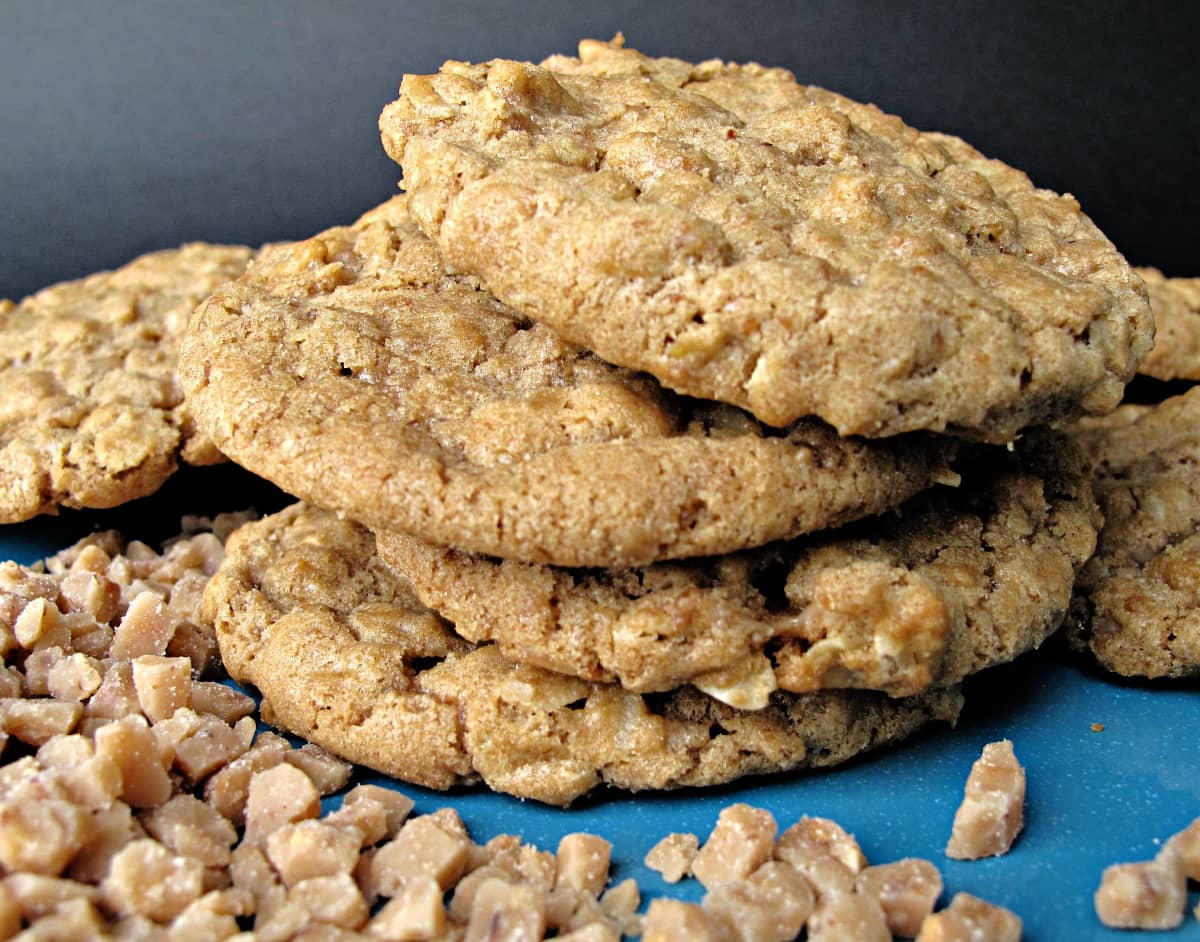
(779, 247)
(352, 371)
(91, 412)
(1137, 604)
(959, 579)
(345, 656)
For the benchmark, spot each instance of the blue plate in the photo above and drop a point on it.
(1113, 767)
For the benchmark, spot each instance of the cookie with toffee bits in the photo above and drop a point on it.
(959, 579)
(1137, 604)
(91, 411)
(355, 373)
(345, 656)
(746, 238)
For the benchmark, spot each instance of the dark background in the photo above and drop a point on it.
(128, 126)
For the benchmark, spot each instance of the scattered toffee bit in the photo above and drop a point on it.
(1151, 894)
(1187, 842)
(968, 919)
(992, 812)
(1147, 895)
(741, 842)
(672, 856)
(907, 891)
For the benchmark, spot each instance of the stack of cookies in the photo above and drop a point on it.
(680, 422)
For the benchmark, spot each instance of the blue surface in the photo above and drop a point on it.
(1094, 797)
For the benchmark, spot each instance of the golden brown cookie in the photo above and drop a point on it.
(745, 238)
(352, 371)
(958, 580)
(1137, 604)
(91, 412)
(1176, 306)
(345, 655)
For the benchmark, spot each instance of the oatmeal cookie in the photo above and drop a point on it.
(957, 580)
(746, 238)
(354, 372)
(91, 412)
(345, 656)
(1176, 306)
(1137, 602)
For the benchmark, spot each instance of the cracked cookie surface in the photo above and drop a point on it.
(91, 411)
(1137, 605)
(352, 371)
(746, 238)
(345, 656)
(1176, 306)
(957, 580)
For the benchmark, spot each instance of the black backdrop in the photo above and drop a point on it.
(127, 125)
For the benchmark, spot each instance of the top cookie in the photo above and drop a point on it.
(1137, 602)
(92, 413)
(353, 371)
(779, 247)
(1176, 306)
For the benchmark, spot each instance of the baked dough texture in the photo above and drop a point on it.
(1176, 306)
(91, 411)
(355, 373)
(746, 238)
(345, 656)
(1137, 603)
(958, 580)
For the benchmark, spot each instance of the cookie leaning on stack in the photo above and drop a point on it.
(1176, 306)
(1136, 601)
(1135, 607)
(756, 247)
(92, 412)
